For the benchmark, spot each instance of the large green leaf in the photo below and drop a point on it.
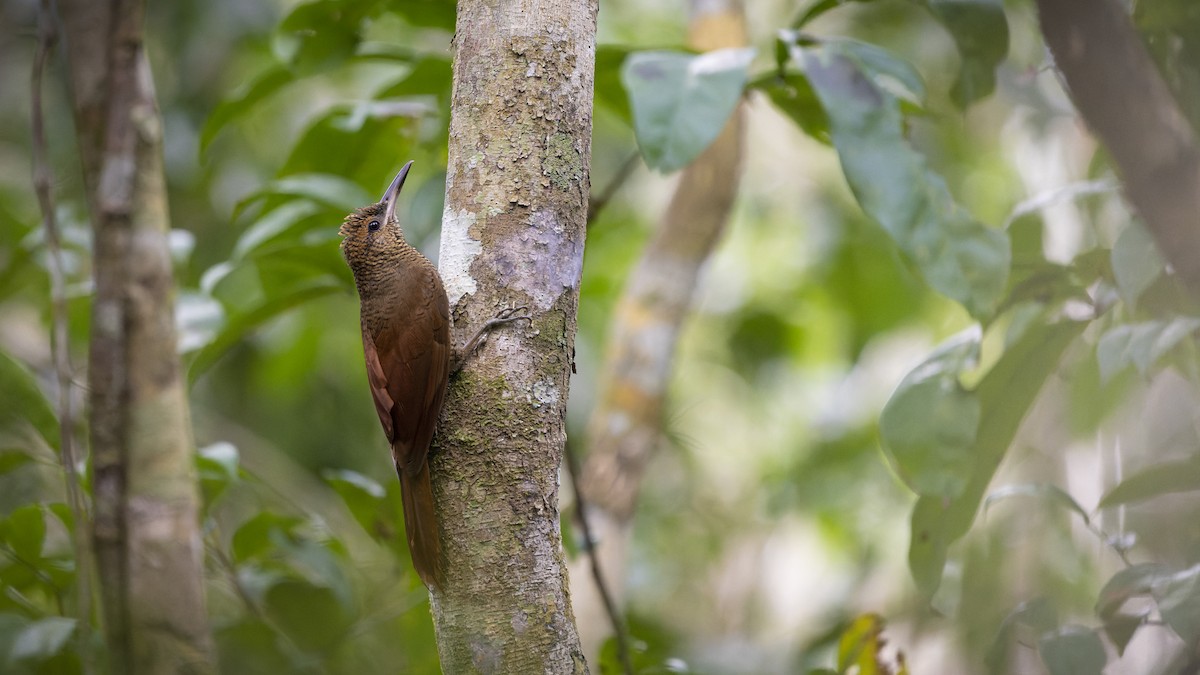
(1153, 481)
(1178, 598)
(40, 640)
(1005, 394)
(241, 324)
(1072, 650)
(243, 100)
(317, 36)
(274, 223)
(1128, 583)
(1136, 262)
(293, 605)
(928, 425)
(958, 256)
(681, 101)
(333, 191)
(1141, 345)
(25, 408)
(366, 499)
(980, 30)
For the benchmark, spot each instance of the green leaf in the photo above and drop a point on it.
(1047, 491)
(1005, 394)
(366, 500)
(293, 604)
(318, 36)
(42, 639)
(860, 644)
(958, 256)
(1128, 583)
(928, 426)
(333, 191)
(1072, 650)
(1136, 262)
(11, 460)
(427, 13)
(980, 31)
(198, 318)
(272, 224)
(1178, 598)
(253, 538)
(1140, 345)
(242, 101)
(25, 407)
(610, 93)
(681, 101)
(24, 531)
(1038, 613)
(217, 465)
(241, 324)
(794, 96)
(817, 9)
(888, 71)
(1153, 481)
(1120, 630)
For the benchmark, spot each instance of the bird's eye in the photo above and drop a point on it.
(373, 225)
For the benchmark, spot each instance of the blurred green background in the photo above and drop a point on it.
(770, 517)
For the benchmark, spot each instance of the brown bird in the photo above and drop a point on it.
(405, 320)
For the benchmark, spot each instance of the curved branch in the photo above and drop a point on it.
(1120, 93)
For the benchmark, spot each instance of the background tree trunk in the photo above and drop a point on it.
(1121, 95)
(512, 234)
(148, 546)
(626, 424)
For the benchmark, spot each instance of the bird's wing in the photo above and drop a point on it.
(379, 387)
(413, 357)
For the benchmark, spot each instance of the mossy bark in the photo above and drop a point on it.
(512, 235)
(145, 496)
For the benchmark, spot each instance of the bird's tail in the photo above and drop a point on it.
(421, 525)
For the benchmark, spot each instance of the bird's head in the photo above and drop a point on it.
(373, 229)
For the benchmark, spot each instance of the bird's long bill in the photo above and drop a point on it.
(390, 196)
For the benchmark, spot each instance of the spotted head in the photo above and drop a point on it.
(372, 232)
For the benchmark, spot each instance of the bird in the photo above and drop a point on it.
(405, 321)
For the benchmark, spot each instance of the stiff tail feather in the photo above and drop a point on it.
(421, 525)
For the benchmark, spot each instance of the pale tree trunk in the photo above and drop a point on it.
(148, 545)
(626, 424)
(512, 235)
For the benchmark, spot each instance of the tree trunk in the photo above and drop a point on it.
(1119, 92)
(512, 235)
(626, 424)
(148, 545)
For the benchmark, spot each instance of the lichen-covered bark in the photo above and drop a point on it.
(148, 545)
(626, 423)
(512, 234)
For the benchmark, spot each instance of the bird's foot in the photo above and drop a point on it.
(506, 315)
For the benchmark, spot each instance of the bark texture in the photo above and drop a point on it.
(626, 424)
(147, 538)
(512, 235)
(1120, 93)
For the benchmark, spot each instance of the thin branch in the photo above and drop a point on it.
(595, 206)
(589, 544)
(42, 182)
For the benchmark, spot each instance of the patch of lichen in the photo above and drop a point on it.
(561, 162)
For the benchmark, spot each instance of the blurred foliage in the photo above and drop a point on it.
(949, 237)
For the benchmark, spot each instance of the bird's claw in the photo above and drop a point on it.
(510, 314)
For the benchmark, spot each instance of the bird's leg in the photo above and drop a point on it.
(506, 315)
